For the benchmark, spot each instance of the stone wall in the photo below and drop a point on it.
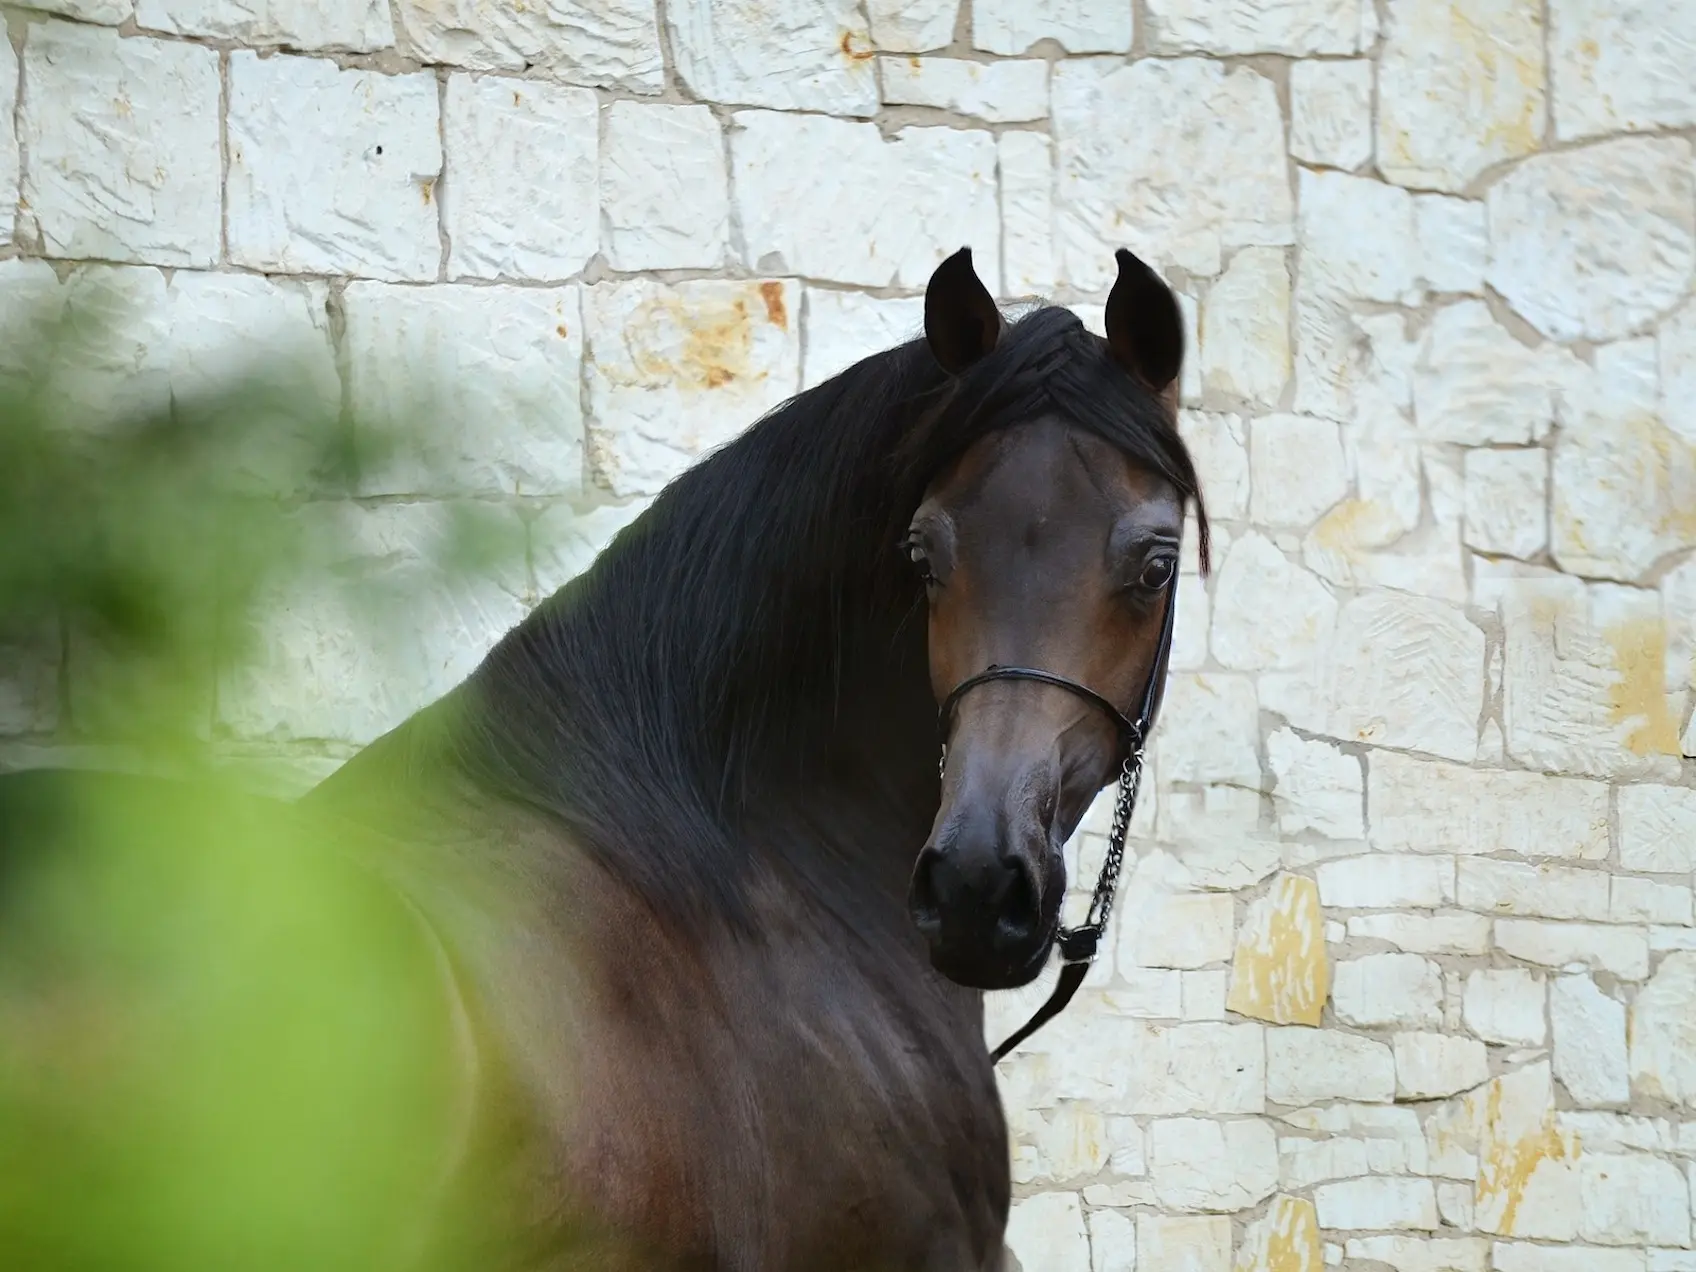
(1405, 976)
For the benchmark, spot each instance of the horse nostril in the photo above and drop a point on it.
(922, 902)
(1019, 918)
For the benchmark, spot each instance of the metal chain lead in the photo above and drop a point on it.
(1101, 904)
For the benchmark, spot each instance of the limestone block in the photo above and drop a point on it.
(1417, 806)
(1507, 499)
(9, 167)
(1112, 1241)
(1621, 951)
(1454, 244)
(520, 199)
(1129, 141)
(1494, 886)
(1527, 1178)
(615, 43)
(1460, 88)
(782, 54)
(1304, 1066)
(1318, 787)
(1197, 1164)
(1269, 612)
(1377, 1202)
(1204, 994)
(1663, 1032)
(1633, 1199)
(1589, 1029)
(1621, 67)
(1513, 1256)
(1646, 901)
(1207, 729)
(1183, 1243)
(1505, 1005)
(490, 375)
(1331, 113)
(1388, 989)
(799, 183)
(1245, 341)
(1297, 469)
(564, 541)
(1373, 1139)
(218, 322)
(1047, 1231)
(996, 92)
(1078, 26)
(1384, 881)
(912, 26)
(677, 370)
(1434, 1065)
(1575, 266)
(122, 136)
(1420, 1254)
(1447, 932)
(1305, 1162)
(655, 155)
(1676, 348)
(1219, 446)
(1284, 1239)
(1357, 237)
(332, 171)
(1027, 213)
(103, 12)
(845, 326)
(1475, 384)
(1175, 929)
(362, 26)
(1291, 27)
(1127, 1065)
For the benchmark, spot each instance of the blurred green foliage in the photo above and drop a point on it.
(225, 1044)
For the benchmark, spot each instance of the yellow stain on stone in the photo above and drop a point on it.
(1510, 1122)
(1280, 972)
(1285, 1240)
(1637, 699)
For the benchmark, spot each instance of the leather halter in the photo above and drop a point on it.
(1078, 945)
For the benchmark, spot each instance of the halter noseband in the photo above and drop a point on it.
(1078, 945)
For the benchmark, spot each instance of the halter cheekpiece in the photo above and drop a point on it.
(1078, 945)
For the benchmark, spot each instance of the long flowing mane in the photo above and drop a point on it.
(739, 682)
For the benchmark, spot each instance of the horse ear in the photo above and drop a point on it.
(1145, 328)
(962, 323)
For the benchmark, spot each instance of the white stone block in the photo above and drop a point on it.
(597, 42)
(1663, 1033)
(1219, 446)
(1417, 806)
(1305, 1162)
(359, 26)
(102, 12)
(565, 541)
(1454, 244)
(519, 200)
(846, 326)
(490, 374)
(1657, 829)
(332, 171)
(1047, 1231)
(1646, 901)
(1245, 341)
(1208, 724)
(1434, 1065)
(1543, 891)
(1514, 1256)
(1633, 1199)
(677, 371)
(1232, 27)
(122, 138)
(1183, 1243)
(1204, 994)
(1078, 26)
(1622, 951)
(665, 195)
(1331, 113)
(1385, 881)
(1130, 140)
(1505, 1005)
(1175, 929)
(1458, 91)
(1417, 1254)
(1507, 500)
(1297, 468)
(800, 183)
(1197, 1164)
(1357, 237)
(1575, 266)
(1112, 1241)
(806, 55)
(1450, 932)
(1621, 67)
(997, 92)
(1476, 384)
(912, 26)
(1388, 989)
(1589, 1030)
(1304, 1066)
(1027, 213)
(9, 169)
(1317, 787)
(1676, 347)
(1269, 612)
(1377, 1202)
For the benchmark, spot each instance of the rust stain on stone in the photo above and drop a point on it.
(1638, 697)
(1280, 971)
(846, 44)
(1286, 1240)
(561, 331)
(1507, 1161)
(427, 188)
(776, 311)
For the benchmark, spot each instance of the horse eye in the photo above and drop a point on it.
(916, 554)
(1158, 573)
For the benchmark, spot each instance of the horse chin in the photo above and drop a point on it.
(993, 973)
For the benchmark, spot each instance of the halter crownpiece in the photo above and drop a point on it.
(1078, 945)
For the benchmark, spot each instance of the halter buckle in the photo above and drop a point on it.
(1080, 944)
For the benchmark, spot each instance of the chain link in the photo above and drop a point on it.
(1101, 904)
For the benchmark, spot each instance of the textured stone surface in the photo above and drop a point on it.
(1307, 1065)
(1419, 1254)
(1174, 930)
(1657, 828)
(1357, 235)
(1434, 1065)
(1196, 1164)
(1331, 113)
(1516, 1257)
(1475, 384)
(1621, 67)
(361, 26)
(1620, 951)
(1663, 1033)
(1449, 932)
(1206, 730)
(103, 12)
(1383, 881)
(9, 161)
(1284, 1239)
(1377, 1202)
(1460, 87)
(519, 198)
(1546, 891)
(1633, 1199)
(564, 541)
(1506, 1005)
(1219, 446)
(1589, 1030)
(210, 315)
(1245, 343)
(1388, 989)
(613, 42)
(332, 171)
(1047, 1231)
(1454, 244)
(508, 357)
(814, 55)
(1270, 612)
(1297, 469)
(845, 326)
(1078, 26)
(675, 371)
(1280, 971)
(1026, 162)
(912, 26)
(1292, 27)
(1130, 139)
(1577, 265)
(652, 152)
(123, 143)
(1507, 497)
(1318, 787)
(999, 92)
(1181, 1243)
(797, 182)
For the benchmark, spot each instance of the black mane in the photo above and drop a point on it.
(740, 682)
